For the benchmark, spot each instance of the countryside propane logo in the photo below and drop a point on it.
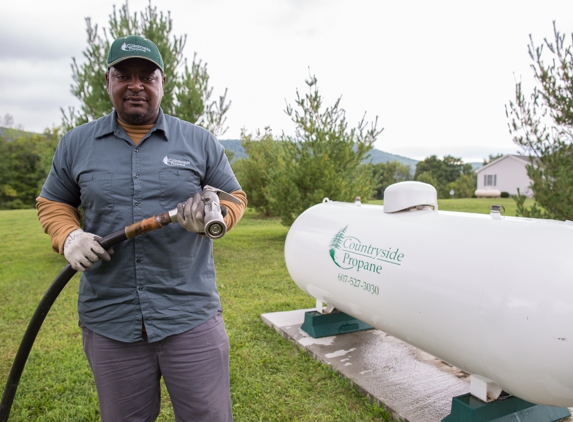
(134, 47)
(348, 252)
(173, 162)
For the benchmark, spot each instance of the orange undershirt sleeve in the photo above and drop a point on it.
(58, 220)
(235, 211)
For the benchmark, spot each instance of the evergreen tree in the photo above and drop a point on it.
(187, 91)
(263, 152)
(543, 126)
(323, 158)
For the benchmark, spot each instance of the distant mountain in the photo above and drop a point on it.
(235, 146)
(476, 165)
(10, 134)
(376, 156)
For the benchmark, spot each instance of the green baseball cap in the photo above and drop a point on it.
(134, 47)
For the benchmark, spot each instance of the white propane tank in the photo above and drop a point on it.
(489, 294)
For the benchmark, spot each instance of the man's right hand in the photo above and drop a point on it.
(191, 214)
(82, 250)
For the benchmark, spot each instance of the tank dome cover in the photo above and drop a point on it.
(404, 195)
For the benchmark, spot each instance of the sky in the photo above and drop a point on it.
(437, 74)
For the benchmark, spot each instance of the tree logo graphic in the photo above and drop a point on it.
(335, 244)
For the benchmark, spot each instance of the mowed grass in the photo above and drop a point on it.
(475, 205)
(481, 205)
(271, 378)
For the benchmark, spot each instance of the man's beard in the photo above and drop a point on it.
(135, 118)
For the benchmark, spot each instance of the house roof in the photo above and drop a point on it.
(521, 158)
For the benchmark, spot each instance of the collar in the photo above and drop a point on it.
(108, 125)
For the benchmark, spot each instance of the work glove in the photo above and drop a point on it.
(82, 250)
(191, 214)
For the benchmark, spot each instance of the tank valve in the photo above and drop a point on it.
(496, 211)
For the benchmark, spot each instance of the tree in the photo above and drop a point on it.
(429, 178)
(285, 176)
(386, 174)
(491, 158)
(323, 158)
(8, 123)
(8, 120)
(263, 153)
(433, 169)
(187, 90)
(24, 165)
(464, 186)
(542, 125)
(443, 172)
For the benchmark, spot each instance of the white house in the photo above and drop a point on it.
(505, 174)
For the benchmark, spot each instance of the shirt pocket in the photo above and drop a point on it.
(176, 186)
(96, 192)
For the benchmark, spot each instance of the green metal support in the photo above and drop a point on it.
(467, 408)
(322, 325)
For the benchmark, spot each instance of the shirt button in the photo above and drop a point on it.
(136, 203)
(136, 175)
(135, 150)
(138, 261)
(140, 288)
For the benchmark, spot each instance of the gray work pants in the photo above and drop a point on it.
(194, 366)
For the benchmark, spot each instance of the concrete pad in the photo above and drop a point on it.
(409, 383)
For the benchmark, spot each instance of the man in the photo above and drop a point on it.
(152, 309)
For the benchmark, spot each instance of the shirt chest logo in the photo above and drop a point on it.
(174, 162)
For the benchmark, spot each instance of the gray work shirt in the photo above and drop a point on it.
(166, 277)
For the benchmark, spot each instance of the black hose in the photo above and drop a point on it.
(36, 322)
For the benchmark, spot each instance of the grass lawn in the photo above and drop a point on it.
(480, 205)
(475, 205)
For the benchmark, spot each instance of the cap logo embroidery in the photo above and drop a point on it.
(175, 163)
(134, 47)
